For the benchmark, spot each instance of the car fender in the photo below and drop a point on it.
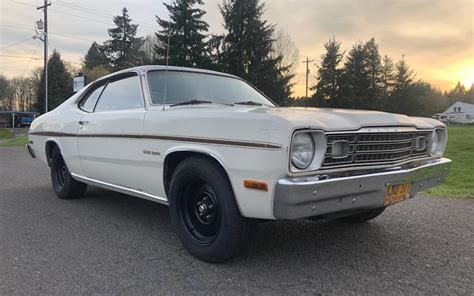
(208, 152)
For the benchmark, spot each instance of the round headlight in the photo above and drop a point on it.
(434, 143)
(439, 139)
(302, 150)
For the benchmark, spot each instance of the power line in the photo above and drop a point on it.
(86, 10)
(22, 3)
(10, 62)
(18, 57)
(82, 17)
(51, 33)
(71, 37)
(99, 13)
(83, 9)
(32, 56)
(89, 19)
(13, 44)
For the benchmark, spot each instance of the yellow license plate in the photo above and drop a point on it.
(397, 193)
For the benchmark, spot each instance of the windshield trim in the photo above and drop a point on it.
(275, 105)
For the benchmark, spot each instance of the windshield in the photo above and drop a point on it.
(186, 86)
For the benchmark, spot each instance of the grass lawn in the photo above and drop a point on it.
(460, 182)
(18, 141)
(4, 133)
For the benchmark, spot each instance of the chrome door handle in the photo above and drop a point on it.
(83, 122)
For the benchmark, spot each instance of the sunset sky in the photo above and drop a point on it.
(436, 36)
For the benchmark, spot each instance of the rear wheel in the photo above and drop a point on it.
(364, 216)
(204, 212)
(64, 185)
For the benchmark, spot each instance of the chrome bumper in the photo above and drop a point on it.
(309, 197)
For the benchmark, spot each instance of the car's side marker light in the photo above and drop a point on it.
(256, 185)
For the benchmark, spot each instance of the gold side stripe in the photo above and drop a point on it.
(165, 138)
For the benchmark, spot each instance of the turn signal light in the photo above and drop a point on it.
(256, 185)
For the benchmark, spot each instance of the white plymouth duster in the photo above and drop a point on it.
(221, 155)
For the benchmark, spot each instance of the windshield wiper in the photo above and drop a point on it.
(191, 102)
(251, 103)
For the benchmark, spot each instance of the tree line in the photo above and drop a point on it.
(251, 48)
(363, 79)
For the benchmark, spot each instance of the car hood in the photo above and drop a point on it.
(344, 119)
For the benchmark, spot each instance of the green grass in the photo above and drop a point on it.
(460, 182)
(4, 134)
(18, 141)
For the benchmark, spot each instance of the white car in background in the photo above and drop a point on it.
(222, 155)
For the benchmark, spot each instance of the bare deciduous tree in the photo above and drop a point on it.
(22, 92)
(286, 48)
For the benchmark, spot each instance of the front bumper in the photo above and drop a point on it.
(309, 197)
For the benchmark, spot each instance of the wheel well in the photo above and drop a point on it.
(49, 150)
(173, 159)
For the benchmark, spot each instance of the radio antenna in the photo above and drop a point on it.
(167, 59)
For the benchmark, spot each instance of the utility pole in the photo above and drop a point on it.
(45, 41)
(307, 74)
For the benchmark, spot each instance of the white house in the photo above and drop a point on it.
(458, 113)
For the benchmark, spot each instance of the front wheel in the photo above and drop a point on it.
(204, 212)
(63, 183)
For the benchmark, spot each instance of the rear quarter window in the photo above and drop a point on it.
(88, 103)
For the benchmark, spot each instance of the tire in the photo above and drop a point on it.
(364, 216)
(64, 185)
(204, 212)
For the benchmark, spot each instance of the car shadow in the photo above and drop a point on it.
(278, 243)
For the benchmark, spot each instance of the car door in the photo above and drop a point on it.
(110, 135)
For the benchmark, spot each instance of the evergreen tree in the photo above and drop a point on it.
(95, 56)
(118, 49)
(387, 76)
(374, 72)
(248, 48)
(469, 96)
(216, 52)
(329, 74)
(457, 93)
(355, 80)
(403, 75)
(187, 34)
(59, 84)
(417, 99)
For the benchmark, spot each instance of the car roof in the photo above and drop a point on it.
(144, 69)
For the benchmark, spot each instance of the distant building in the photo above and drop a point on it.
(458, 113)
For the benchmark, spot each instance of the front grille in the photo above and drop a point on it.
(377, 148)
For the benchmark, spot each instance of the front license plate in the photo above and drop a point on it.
(397, 193)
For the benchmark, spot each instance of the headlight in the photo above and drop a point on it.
(434, 142)
(438, 142)
(302, 150)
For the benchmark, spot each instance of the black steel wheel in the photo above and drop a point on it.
(200, 211)
(64, 185)
(61, 173)
(204, 212)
